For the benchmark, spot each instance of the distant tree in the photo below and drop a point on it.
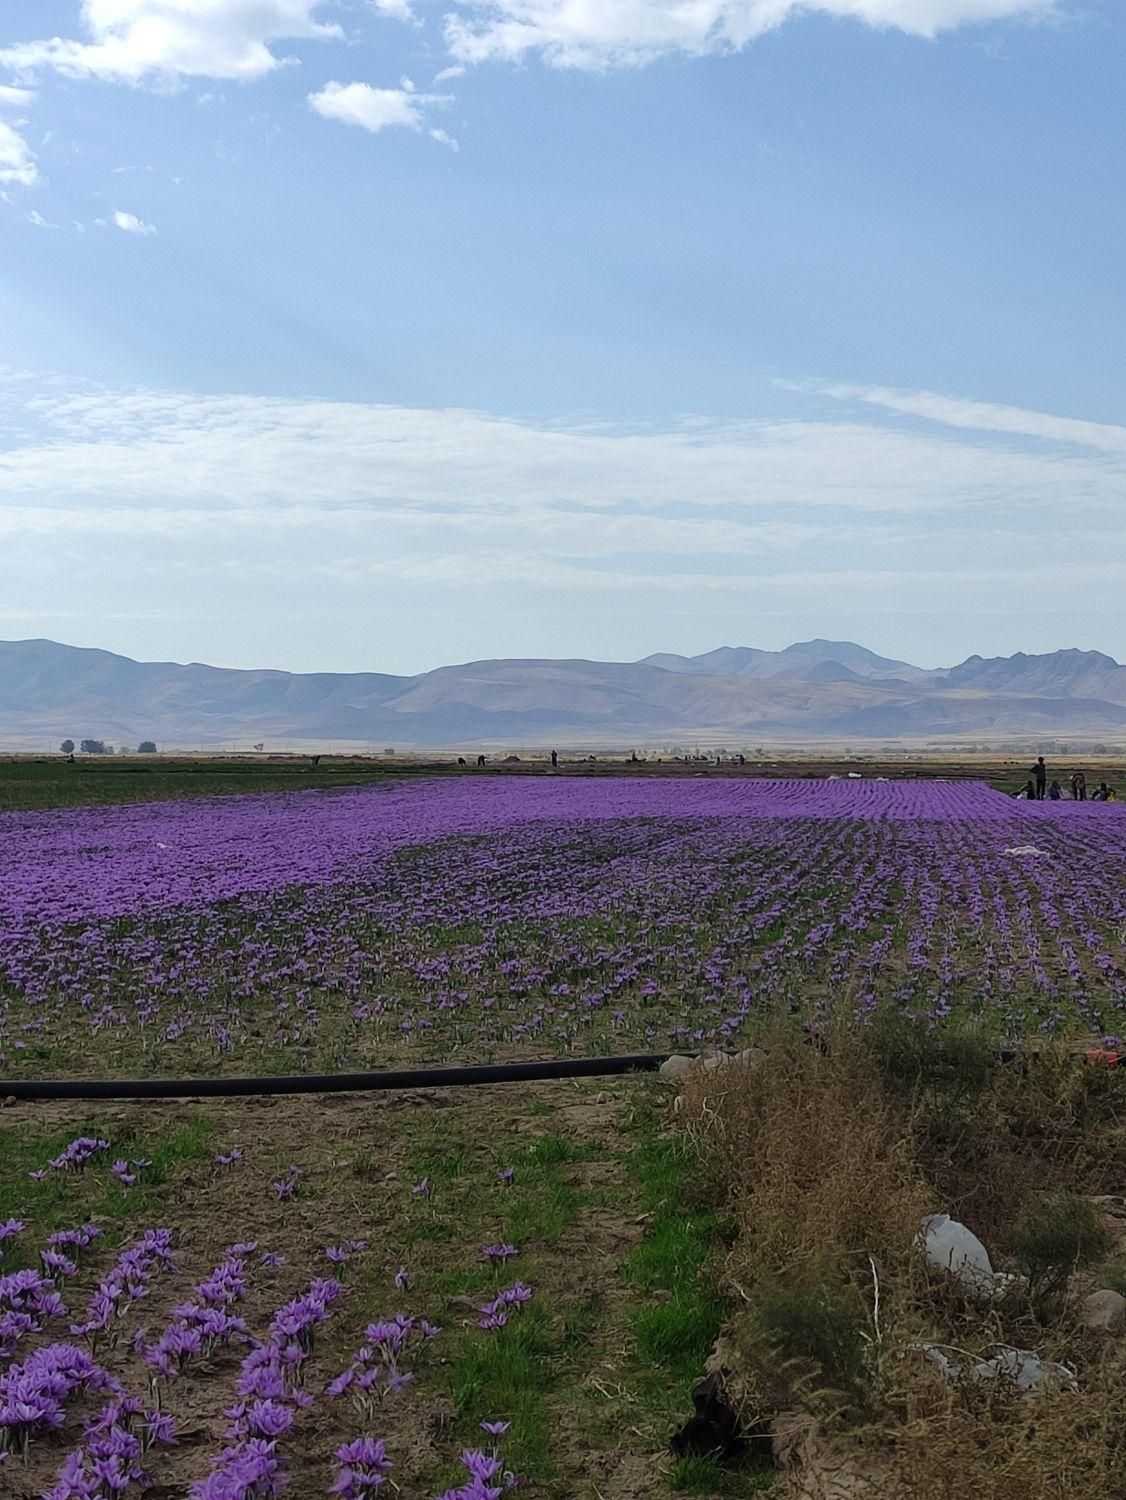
(146, 747)
(93, 747)
(67, 747)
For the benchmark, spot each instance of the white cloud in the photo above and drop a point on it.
(138, 41)
(241, 450)
(236, 509)
(399, 10)
(17, 163)
(373, 108)
(36, 218)
(444, 138)
(982, 416)
(614, 33)
(15, 98)
(131, 224)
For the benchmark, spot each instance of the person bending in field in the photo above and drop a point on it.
(1055, 792)
(1027, 792)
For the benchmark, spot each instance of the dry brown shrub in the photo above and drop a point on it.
(816, 1159)
(827, 1165)
(990, 1443)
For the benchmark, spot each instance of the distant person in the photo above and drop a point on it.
(1103, 793)
(1027, 792)
(1080, 787)
(1055, 792)
(480, 760)
(1040, 776)
(1111, 794)
(554, 759)
(461, 760)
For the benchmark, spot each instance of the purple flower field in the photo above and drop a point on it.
(502, 917)
(381, 1246)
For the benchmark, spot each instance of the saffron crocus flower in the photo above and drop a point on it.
(362, 1466)
(402, 1279)
(500, 1252)
(421, 1189)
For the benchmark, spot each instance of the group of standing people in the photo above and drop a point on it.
(1036, 789)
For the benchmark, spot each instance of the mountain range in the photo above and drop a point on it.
(827, 691)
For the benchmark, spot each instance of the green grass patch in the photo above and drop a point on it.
(65, 1199)
(704, 1476)
(505, 1376)
(674, 1332)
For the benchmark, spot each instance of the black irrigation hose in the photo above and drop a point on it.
(358, 1083)
(328, 1083)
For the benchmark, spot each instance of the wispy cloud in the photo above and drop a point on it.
(980, 416)
(220, 506)
(14, 98)
(628, 33)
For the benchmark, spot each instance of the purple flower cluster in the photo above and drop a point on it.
(376, 1371)
(127, 1282)
(74, 1158)
(486, 1476)
(495, 1314)
(33, 1394)
(120, 1170)
(199, 1327)
(110, 1459)
(362, 1466)
(270, 1394)
(28, 1300)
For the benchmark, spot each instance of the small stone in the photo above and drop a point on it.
(752, 1057)
(717, 1060)
(675, 1067)
(1105, 1312)
(10, 1100)
(466, 1303)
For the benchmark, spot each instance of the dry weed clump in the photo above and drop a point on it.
(828, 1156)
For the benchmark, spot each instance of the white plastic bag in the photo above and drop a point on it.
(950, 1246)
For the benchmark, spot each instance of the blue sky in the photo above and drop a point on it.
(373, 335)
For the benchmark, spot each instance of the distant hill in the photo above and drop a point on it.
(813, 690)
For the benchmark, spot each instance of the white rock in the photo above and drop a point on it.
(675, 1067)
(752, 1057)
(1105, 1312)
(717, 1060)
